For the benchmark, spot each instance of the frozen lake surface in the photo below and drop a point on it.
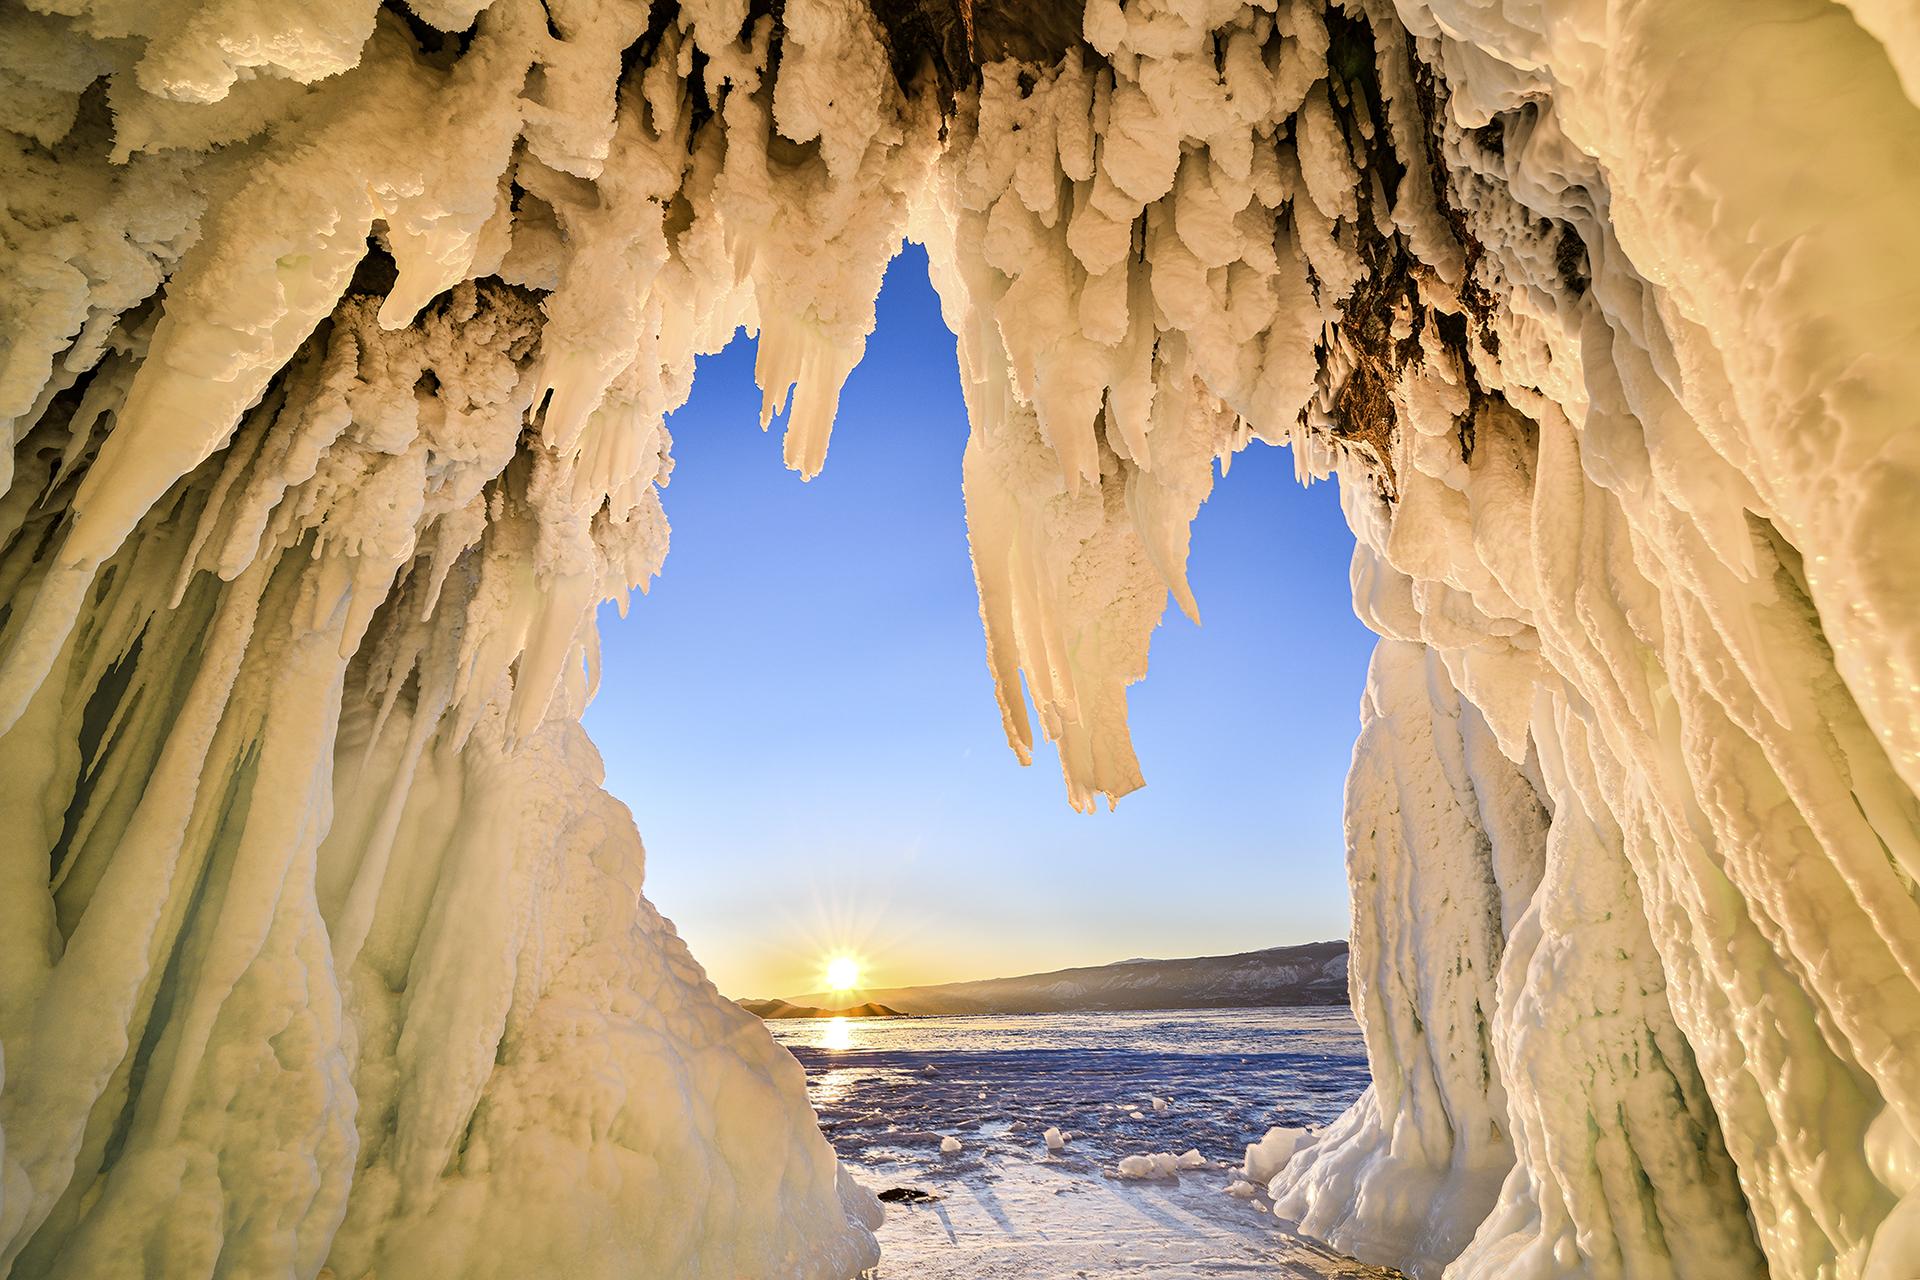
(889, 1092)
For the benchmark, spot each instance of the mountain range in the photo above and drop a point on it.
(786, 1009)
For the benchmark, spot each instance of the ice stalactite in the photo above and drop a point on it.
(1127, 311)
(338, 356)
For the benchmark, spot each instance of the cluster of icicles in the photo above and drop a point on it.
(339, 348)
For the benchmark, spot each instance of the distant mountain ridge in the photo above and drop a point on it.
(788, 1009)
(1313, 973)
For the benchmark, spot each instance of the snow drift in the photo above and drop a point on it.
(339, 345)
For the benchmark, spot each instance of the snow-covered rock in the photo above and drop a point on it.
(1270, 1155)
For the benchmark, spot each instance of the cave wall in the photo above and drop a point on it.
(339, 344)
(1685, 497)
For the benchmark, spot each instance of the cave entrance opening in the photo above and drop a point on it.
(801, 716)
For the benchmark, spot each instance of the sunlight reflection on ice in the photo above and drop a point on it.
(838, 1036)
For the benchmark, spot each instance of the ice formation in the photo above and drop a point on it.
(338, 352)
(1269, 1156)
(1156, 1164)
(338, 346)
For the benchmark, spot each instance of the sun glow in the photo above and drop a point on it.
(843, 973)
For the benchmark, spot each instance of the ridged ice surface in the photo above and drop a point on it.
(339, 341)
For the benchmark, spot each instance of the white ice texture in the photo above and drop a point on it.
(1157, 1164)
(1267, 1157)
(337, 342)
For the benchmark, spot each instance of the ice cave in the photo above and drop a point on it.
(339, 341)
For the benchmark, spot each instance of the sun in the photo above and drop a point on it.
(843, 973)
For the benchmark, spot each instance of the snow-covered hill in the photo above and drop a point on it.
(1315, 973)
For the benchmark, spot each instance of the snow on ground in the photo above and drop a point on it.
(1040, 1219)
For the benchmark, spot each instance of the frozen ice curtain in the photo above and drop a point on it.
(339, 342)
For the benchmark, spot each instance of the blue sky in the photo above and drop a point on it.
(801, 719)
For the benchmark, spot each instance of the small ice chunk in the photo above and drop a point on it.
(1160, 1164)
(1270, 1155)
(1056, 1141)
(1242, 1189)
(949, 1145)
(1159, 1104)
(1192, 1159)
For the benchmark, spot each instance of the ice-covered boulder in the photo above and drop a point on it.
(1270, 1155)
